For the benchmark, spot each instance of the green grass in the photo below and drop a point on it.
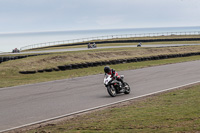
(9, 71)
(11, 77)
(174, 111)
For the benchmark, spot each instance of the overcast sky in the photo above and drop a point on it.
(62, 15)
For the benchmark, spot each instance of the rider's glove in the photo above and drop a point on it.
(114, 77)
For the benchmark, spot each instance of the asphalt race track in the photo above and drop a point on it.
(79, 49)
(27, 104)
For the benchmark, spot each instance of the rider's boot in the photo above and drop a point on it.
(123, 85)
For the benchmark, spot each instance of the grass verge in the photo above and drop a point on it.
(174, 111)
(58, 59)
(11, 77)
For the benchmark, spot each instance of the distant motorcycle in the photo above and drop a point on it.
(114, 87)
(15, 50)
(139, 45)
(92, 45)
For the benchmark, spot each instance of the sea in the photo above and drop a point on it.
(9, 41)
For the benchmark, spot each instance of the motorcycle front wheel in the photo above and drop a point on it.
(111, 91)
(127, 88)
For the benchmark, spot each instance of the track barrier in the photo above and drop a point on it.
(109, 62)
(124, 38)
(7, 58)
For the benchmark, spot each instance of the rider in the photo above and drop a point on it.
(113, 74)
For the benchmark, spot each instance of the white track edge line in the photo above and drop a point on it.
(82, 111)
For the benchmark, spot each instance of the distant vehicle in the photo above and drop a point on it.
(15, 50)
(139, 45)
(92, 45)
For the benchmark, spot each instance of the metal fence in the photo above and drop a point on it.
(38, 45)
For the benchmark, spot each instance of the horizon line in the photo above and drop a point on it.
(53, 31)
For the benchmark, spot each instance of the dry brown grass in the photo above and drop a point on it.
(55, 59)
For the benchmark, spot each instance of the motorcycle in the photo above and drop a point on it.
(139, 45)
(92, 45)
(115, 87)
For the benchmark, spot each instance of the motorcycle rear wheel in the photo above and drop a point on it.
(111, 91)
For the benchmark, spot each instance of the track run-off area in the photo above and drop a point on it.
(35, 103)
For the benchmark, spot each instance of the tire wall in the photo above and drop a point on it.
(110, 62)
(7, 58)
